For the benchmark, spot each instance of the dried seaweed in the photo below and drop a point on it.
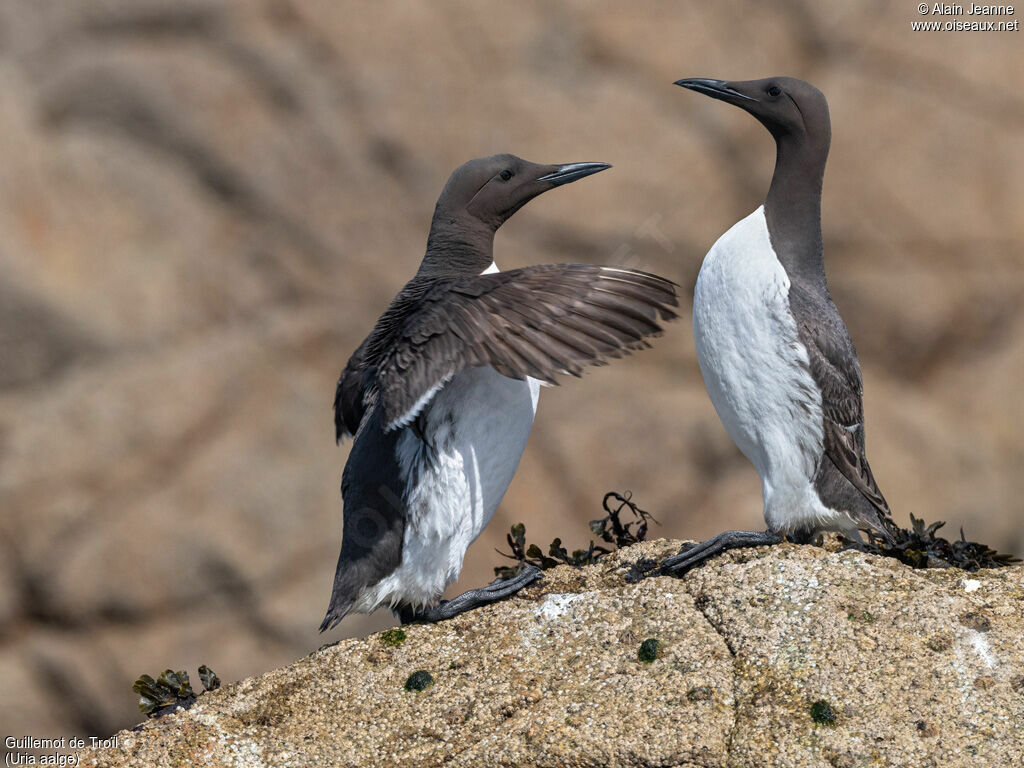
(171, 690)
(610, 529)
(919, 547)
(208, 678)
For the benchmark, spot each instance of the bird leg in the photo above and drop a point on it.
(696, 554)
(497, 590)
(805, 536)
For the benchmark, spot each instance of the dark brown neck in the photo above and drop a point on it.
(793, 207)
(457, 246)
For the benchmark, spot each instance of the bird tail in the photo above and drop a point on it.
(343, 596)
(338, 610)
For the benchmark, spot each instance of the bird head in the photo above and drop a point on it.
(787, 107)
(491, 189)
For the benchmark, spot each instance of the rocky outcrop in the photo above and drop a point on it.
(205, 204)
(782, 656)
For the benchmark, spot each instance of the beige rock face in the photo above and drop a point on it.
(786, 656)
(205, 204)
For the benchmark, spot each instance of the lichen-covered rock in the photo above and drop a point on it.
(782, 656)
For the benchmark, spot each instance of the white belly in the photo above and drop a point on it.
(477, 425)
(756, 372)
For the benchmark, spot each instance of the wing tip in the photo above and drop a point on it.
(884, 527)
(669, 286)
(661, 296)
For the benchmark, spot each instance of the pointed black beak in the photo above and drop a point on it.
(716, 89)
(564, 174)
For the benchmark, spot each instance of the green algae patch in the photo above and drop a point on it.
(393, 638)
(650, 649)
(822, 713)
(419, 681)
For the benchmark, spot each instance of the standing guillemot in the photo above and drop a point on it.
(441, 395)
(777, 360)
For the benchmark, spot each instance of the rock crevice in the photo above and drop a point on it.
(701, 606)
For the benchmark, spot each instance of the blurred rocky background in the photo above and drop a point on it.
(205, 205)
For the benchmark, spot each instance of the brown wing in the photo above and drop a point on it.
(836, 370)
(538, 321)
(348, 396)
(355, 383)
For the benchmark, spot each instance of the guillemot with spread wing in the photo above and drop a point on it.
(442, 394)
(776, 357)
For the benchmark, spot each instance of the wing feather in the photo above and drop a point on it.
(836, 370)
(538, 321)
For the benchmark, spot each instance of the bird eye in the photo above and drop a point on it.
(774, 90)
(505, 175)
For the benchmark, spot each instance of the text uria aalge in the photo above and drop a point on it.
(940, 9)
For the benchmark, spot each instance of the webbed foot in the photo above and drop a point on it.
(497, 590)
(689, 558)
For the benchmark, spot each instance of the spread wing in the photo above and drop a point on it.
(835, 368)
(538, 321)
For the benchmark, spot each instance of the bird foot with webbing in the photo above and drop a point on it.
(497, 590)
(695, 554)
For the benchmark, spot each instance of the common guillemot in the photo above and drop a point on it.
(442, 394)
(776, 357)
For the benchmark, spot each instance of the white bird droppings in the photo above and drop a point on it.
(556, 605)
(982, 648)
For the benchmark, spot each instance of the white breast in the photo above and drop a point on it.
(478, 425)
(756, 372)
